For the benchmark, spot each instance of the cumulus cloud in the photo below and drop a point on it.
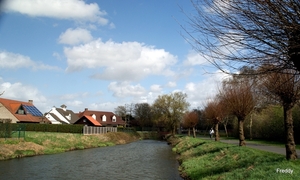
(199, 92)
(66, 9)
(124, 61)
(75, 36)
(193, 58)
(156, 88)
(16, 91)
(171, 84)
(125, 89)
(10, 60)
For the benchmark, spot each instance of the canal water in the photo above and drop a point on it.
(145, 160)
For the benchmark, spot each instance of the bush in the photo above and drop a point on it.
(64, 128)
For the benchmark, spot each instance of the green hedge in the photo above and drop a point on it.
(64, 128)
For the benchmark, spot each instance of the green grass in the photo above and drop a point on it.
(203, 159)
(38, 143)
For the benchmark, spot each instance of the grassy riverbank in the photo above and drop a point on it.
(38, 143)
(203, 159)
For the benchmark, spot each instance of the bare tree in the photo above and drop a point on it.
(285, 86)
(235, 33)
(238, 98)
(190, 120)
(212, 113)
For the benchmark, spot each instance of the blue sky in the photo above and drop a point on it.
(99, 54)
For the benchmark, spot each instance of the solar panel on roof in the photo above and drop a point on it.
(32, 110)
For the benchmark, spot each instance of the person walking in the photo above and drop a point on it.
(211, 133)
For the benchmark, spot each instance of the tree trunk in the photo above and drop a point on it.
(216, 128)
(250, 126)
(189, 132)
(241, 132)
(290, 145)
(225, 127)
(194, 132)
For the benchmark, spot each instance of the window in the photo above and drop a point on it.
(103, 118)
(94, 116)
(114, 119)
(20, 111)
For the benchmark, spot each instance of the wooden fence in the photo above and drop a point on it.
(87, 130)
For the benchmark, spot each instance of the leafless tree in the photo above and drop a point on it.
(212, 113)
(237, 96)
(285, 86)
(190, 120)
(235, 33)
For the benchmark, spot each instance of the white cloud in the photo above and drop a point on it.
(14, 61)
(171, 84)
(124, 61)
(156, 88)
(198, 93)
(60, 9)
(125, 89)
(75, 36)
(193, 58)
(16, 91)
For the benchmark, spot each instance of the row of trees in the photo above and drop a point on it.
(242, 95)
(263, 35)
(165, 113)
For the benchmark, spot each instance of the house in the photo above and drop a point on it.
(87, 120)
(20, 112)
(61, 115)
(106, 119)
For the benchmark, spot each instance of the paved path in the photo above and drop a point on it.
(264, 147)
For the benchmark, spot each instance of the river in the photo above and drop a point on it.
(146, 159)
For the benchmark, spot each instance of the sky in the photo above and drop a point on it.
(100, 54)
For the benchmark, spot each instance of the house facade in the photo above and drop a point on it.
(61, 115)
(20, 112)
(104, 118)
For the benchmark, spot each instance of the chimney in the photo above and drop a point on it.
(86, 109)
(64, 107)
(30, 101)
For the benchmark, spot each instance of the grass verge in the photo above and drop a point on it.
(202, 159)
(38, 143)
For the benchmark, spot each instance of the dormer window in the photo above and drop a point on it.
(94, 116)
(114, 119)
(103, 118)
(21, 111)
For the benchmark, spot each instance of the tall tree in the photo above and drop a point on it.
(143, 114)
(169, 109)
(285, 86)
(237, 96)
(235, 33)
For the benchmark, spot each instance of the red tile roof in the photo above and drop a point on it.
(100, 114)
(13, 106)
(92, 120)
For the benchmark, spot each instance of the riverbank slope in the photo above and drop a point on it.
(39, 143)
(205, 159)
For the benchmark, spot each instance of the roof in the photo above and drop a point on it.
(92, 120)
(31, 113)
(100, 114)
